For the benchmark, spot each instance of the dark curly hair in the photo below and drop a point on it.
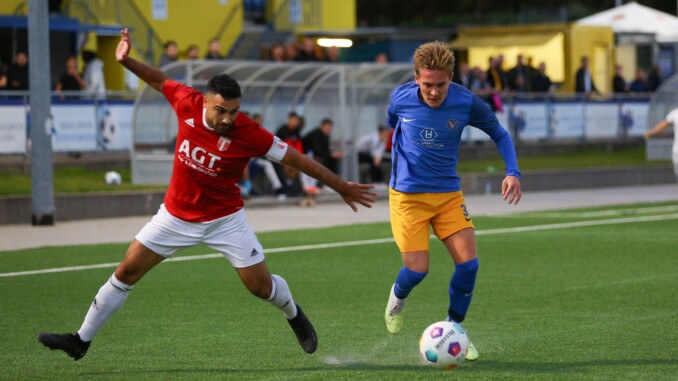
(225, 86)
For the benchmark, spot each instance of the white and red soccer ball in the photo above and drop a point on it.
(443, 345)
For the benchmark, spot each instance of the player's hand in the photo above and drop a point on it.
(359, 193)
(122, 51)
(510, 189)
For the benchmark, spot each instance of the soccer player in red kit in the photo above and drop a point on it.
(203, 203)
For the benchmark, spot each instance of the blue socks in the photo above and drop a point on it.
(406, 281)
(461, 289)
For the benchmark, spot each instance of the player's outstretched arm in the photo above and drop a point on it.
(352, 193)
(152, 76)
(510, 189)
(661, 126)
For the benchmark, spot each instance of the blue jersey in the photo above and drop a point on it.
(426, 140)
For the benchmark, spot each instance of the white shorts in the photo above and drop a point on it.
(232, 236)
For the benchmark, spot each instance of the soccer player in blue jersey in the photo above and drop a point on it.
(429, 116)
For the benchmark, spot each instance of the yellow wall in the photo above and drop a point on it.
(336, 15)
(7, 7)
(196, 22)
(597, 43)
(625, 55)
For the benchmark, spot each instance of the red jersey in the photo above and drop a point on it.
(207, 165)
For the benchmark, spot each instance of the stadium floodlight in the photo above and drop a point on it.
(338, 42)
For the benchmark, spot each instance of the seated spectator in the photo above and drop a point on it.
(277, 53)
(317, 145)
(214, 50)
(170, 54)
(262, 164)
(332, 54)
(290, 133)
(307, 51)
(292, 51)
(70, 80)
(372, 150)
(192, 52)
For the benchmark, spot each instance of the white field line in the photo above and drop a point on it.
(520, 229)
(600, 213)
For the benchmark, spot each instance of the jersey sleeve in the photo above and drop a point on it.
(480, 116)
(391, 111)
(175, 92)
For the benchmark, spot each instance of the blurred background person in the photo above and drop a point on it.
(70, 80)
(170, 53)
(214, 50)
(619, 84)
(17, 73)
(372, 151)
(192, 52)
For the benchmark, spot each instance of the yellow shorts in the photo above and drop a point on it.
(412, 213)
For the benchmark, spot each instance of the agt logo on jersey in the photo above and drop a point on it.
(198, 158)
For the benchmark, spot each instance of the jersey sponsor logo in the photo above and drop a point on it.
(407, 120)
(190, 122)
(198, 158)
(428, 134)
(223, 143)
(452, 124)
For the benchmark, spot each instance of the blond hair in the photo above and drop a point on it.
(434, 56)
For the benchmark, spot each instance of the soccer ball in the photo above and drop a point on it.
(443, 345)
(113, 178)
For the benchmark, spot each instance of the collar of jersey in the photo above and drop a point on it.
(204, 122)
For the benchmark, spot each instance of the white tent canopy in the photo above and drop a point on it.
(633, 17)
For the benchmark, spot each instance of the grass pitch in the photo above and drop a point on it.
(581, 294)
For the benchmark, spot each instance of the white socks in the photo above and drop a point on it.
(281, 297)
(109, 299)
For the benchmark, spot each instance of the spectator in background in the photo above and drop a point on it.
(541, 82)
(291, 51)
(94, 74)
(17, 74)
(519, 77)
(277, 53)
(618, 82)
(494, 75)
(332, 54)
(192, 52)
(463, 76)
(307, 51)
(290, 133)
(170, 54)
(317, 145)
(214, 50)
(372, 150)
(381, 58)
(654, 80)
(583, 80)
(70, 80)
(639, 83)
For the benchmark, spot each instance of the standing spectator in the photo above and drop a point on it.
(518, 77)
(94, 74)
(372, 150)
(170, 53)
(70, 80)
(494, 75)
(463, 76)
(214, 50)
(203, 204)
(654, 80)
(541, 82)
(618, 82)
(639, 83)
(17, 74)
(583, 80)
(317, 145)
(192, 52)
